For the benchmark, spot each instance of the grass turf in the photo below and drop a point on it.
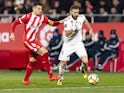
(10, 82)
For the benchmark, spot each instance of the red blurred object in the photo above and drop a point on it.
(4, 59)
(18, 59)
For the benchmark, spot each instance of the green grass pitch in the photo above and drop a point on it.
(10, 82)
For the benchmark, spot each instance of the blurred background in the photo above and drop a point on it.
(105, 47)
(95, 10)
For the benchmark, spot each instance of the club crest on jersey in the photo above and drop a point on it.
(71, 21)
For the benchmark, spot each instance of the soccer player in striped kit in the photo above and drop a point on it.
(32, 22)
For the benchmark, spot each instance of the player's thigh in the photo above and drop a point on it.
(34, 47)
(84, 59)
(64, 56)
(81, 52)
(63, 63)
(32, 59)
(65, 53)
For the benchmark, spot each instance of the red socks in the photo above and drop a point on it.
(29, 70)
(46, 64)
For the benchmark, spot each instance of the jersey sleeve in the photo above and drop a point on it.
(14, 24)
(67, 26)
(83, 18)
(24, 19)
(46, 20)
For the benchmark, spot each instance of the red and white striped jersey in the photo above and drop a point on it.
(32, 25)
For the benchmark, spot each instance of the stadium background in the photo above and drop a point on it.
(13, 55)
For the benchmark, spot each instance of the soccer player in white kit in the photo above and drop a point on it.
(73, 41)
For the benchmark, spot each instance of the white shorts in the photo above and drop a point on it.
(69, 48)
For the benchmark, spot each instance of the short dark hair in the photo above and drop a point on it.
(74, 7)
(37, 3)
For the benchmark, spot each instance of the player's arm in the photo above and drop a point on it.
(69, 29)
(69, 33)
(13, 26)
(88, 25)
(24, 19)
(52, 23)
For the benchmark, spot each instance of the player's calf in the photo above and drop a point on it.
(83, 71)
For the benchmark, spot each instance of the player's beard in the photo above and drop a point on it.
(74, 17)
(38, 14)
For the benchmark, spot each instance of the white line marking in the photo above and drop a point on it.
(65, 88)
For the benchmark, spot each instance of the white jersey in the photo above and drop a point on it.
(73, 44)
(70, 24)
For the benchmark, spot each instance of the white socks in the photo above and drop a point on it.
(61, 70)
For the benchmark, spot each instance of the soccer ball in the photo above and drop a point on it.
(93, 79)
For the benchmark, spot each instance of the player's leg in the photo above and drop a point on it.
(81, 52)
(84, 60)
(83, 66)
(64, 57)
(62, 67)
(43, 53)
(32, 62)
(61, 72)
(29, 69)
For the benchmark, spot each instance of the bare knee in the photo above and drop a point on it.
(42, 51)
(32, 59)
(63, 63)
(84, 59)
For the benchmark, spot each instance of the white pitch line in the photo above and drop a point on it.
(65, 88)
